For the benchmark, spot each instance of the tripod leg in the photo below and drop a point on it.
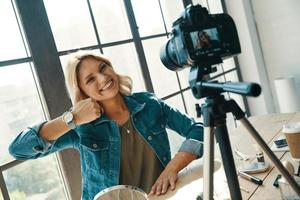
(208, 169)
(271, 155)
(228, 162)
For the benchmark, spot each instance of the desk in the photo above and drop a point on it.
(269, 127)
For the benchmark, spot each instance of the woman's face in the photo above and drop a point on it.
(97, 79)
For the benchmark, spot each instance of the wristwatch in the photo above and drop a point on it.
(68, 118)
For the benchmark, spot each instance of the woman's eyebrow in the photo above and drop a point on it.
(103, 64)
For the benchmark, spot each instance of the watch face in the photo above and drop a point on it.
(68, 117)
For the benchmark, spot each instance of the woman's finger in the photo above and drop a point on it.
(172, 183)
(158, 188)
(165, 186)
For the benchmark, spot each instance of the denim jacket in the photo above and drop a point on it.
(99, 141)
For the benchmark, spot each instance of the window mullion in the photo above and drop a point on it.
(3, 187)
(138, 45)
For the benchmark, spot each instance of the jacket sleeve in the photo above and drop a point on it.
(185, 126)
(29, 145)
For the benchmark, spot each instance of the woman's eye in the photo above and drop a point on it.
(90, 80)
(102, 67)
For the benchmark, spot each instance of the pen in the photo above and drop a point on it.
(250, 178)
(241, 155)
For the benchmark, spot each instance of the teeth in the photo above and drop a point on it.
(106, 86)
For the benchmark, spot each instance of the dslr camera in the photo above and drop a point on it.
(200, 39)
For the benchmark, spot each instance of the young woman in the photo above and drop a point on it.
(121, 136)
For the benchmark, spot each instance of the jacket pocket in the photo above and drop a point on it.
(157, 126)
(95, 153)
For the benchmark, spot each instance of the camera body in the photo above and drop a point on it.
(200, 39)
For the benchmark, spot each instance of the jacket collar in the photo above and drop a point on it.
(133, 105)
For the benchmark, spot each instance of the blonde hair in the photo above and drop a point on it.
(71, 70)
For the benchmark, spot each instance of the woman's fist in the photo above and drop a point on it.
(86, 110)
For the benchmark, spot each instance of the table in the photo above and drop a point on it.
(190, 184)
(269, 127)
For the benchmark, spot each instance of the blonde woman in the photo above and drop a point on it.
(121, 136)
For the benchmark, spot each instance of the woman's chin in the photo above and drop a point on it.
(105, 95)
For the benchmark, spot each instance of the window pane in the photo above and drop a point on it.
(1, 197)
(11, 42)
(203, 3)
(125, 61)
(184, 77)
(111, 30)
(164, 80)
(228, 64)
(172, 11)
(148, 17)
(19, 104)
(214, 6)
(176, 102)
(70, 23)
(35, 179)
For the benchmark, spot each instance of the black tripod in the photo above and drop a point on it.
(214, 114)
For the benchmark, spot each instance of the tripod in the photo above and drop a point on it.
(214, 114)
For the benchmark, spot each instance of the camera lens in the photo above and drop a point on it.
(168, 57)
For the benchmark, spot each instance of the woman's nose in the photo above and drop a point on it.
(101, 79)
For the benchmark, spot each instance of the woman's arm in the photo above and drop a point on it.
(83, 112)
(54, 135)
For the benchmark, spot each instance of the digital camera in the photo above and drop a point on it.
(200, 39)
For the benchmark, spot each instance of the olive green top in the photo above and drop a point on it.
(140, 167)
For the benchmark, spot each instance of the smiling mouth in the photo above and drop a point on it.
(107, 86)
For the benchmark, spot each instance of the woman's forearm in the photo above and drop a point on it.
(180, 161)
(53, 129)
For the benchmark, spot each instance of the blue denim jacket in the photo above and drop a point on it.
(99, 141)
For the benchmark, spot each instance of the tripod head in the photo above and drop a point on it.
(198, 80)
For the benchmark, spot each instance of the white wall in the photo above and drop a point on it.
(270, 46)
(278, 25)
(251, 61)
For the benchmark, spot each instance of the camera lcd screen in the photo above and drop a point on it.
(206, 41)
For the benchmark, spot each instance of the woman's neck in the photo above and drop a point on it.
(116, 108)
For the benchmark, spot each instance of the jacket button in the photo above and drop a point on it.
(150, 137)
(165, 158)
(162, 126)
(95, 145)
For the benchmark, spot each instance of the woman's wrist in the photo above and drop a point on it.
(181, 160)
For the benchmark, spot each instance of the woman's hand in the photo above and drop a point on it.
(169, 176)
(166, 179)
(85, 110)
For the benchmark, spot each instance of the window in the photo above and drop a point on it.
(20, 107)
(19, 103)
(111, 20)
(10, 46)
(70, 23)
(35, 179)
(126, 62)
(148, 17)
(162, 86)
